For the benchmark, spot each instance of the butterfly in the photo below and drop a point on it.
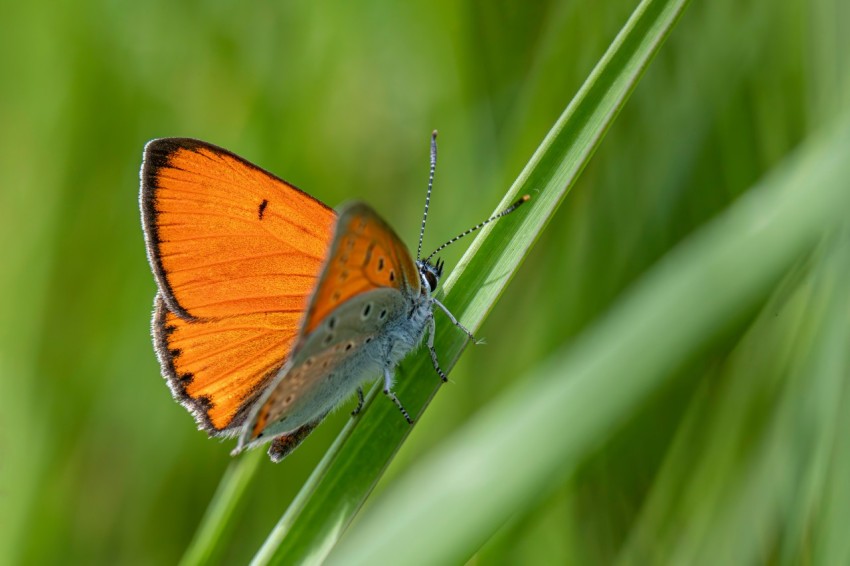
(272, 308)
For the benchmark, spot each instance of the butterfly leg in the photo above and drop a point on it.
(388, 380)
(456, 323)
(359, 408)
(432, 329)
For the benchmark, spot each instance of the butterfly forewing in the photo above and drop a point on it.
(226, 237)
(366, 254)
(236, 253)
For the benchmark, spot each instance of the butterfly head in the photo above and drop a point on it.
(430, 273)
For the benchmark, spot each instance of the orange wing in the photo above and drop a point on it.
(236, 253)
(366, 254)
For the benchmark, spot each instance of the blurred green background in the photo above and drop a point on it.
(99, 465)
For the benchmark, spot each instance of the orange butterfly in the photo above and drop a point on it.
(272, 308)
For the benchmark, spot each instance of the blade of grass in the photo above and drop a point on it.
(209, 539)
(340, 484)
(764, 427)
(516, 450)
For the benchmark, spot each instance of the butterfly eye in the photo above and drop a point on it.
(431, 279)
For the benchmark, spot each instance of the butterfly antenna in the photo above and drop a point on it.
(505, 212)
(428, 194)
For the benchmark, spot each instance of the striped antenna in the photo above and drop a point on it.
(505, 212)
(428, 194)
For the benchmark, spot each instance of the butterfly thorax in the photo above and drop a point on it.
(405, 333)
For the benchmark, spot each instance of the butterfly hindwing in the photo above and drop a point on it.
(204, 360)
(236, 253)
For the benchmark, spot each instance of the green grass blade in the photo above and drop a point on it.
(352, 467)
(209, 539)
(515, 451)
(765, 425)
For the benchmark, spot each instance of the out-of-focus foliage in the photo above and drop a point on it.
(97, 464)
